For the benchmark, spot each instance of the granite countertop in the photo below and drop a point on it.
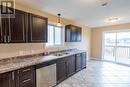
(17, 63)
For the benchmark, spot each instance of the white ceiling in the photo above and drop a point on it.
(86, 12)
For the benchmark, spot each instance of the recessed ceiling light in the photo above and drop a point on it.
(112, 20)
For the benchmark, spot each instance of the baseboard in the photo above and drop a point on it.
(93, 58)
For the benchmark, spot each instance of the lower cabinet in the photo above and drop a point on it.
(7, 79)
(84, 60)
(65, 68)
(25, 77)
(61, 70)
(70, 65)
(78, 60)
(20, 78)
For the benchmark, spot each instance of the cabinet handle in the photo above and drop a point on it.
(78, 54)
(5, 38)
(26, 80)
(8, 38)
(26, 70)
(12, 75)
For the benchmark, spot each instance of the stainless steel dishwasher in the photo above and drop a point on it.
(46, 75)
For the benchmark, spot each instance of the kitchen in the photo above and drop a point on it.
(41, 49)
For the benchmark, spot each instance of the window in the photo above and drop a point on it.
(55, 35)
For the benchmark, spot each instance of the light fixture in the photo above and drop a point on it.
(112, 20)
(104, 4)
(59, 20)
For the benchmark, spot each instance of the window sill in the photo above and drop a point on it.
(53, 46)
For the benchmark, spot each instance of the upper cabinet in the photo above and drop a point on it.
(72, 33)
(37, 28)
(1, 32)
(13, 30)
(16, 32)
(25, 27)
(79, 34)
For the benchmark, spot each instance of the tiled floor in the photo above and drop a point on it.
(100, 74)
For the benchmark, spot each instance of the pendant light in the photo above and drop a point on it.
(59, 20)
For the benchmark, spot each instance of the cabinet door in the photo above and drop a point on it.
(1, 32)
(37, 29)
(68, 33)
(73, 34)
(3, 26)
(70, 65)
(6, 80)
(84, 60)
(78, 34)
(78, 62)
(61, 70)
(17, 30)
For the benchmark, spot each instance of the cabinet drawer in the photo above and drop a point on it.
(27, 70)
(26, 74)
(26, 77)
(27, 83)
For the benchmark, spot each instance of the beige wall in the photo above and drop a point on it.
(9, 50)
(96, 46)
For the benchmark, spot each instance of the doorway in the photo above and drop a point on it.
(116, 46)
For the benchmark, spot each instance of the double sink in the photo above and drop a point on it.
(61, 53)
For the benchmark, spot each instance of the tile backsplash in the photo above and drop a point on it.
(12, 50)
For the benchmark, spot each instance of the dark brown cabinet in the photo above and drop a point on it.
(16, 32)
(84, 60)
(25, 77)
(78, 60)
(81, 61)
(20, 78)
(79, 34)
(72, 33)
(1, 37)
(37, 28)
(1, 32)
(13, 30)
(70, 65)
(24, 27)
(7, 79)
(3, 29)
(61, 70)
(65, 68)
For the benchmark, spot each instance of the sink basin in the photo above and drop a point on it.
(60, 54)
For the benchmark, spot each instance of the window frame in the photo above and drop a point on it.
(62, 36)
